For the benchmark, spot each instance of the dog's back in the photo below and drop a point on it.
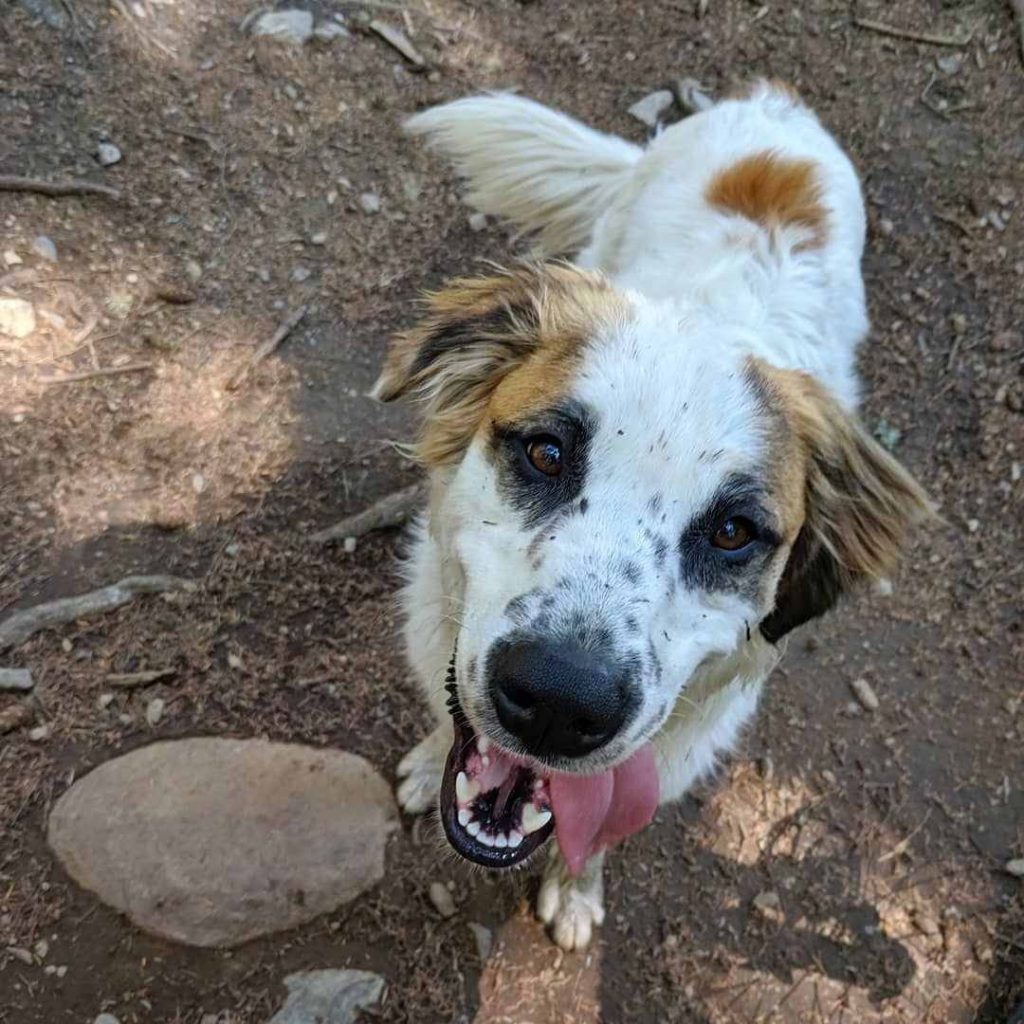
(751, 201)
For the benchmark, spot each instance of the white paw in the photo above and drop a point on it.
(420, 773)
(572, 907)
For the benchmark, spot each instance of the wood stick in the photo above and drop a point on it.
(17, 628)
(103, 371)
(934, 38)
(267, 348)
(14, 183)
(131, 680)
(1018, 9)
(392, 510)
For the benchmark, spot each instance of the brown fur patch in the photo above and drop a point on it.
(859, 502)
(773, 191)
(780, 86)
(495, 347)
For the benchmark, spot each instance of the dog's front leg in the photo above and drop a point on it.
(572, 907)
(419, 772)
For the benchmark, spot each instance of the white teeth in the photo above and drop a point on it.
(465, 817)
(466, 791)
(538, 783)
(501, 841)
(534, 819)
(485, 761)
(473, 828)
(483, 744)
(486, 839)
(515, 837)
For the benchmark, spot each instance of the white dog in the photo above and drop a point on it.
(645, 466)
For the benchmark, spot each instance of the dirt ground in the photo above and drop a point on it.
(246, 165)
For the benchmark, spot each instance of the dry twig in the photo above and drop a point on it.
(132, 680)
(934, 38)
(15, 183)
(267, 348)
(103, 371)
(17, 628)
(1018, 9)
(392, 510)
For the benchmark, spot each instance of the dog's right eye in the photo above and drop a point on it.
(545, 455)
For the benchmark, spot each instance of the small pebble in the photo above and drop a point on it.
(108, 154)
(442, 899)
(349, 545)
(16, 680)
(11, 258)
(21, 954)
(885, 226)
(104, 700)
(320, 238)
(300, 274)
(651, 107)
(106, 1018)
(1015, 867)
(768, 905)
(477, 221)
(865, 694)
(155, 710)
(234, 661)
(483, 938)
(41, 948)
(39, 734)
(369, 202)
(193, 270)
(44, 248)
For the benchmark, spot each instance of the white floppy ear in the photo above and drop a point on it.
(859, 503)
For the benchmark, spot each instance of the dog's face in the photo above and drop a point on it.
(624, 496)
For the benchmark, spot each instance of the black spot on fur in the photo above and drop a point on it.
(631, 571)
(632, 627)
(583, 506)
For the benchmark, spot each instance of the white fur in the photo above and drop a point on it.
(705, 291)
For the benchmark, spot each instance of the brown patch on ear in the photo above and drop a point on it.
(773, 191)
(516, 332)
(858, 503)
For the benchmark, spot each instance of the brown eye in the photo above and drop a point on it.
(545, 455)
(734, 534)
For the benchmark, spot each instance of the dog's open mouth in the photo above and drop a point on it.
(497, 809)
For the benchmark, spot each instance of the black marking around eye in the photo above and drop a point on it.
(538, 499)
(704, 567)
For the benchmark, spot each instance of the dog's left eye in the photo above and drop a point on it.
(545, 455)
(734, 534)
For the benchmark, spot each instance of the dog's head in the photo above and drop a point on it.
(623, 496)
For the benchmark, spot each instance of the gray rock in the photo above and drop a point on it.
(300, 274)
(213, 842)
(17, 317)
(155, 710)
(329, 31)
(484, 940)
(369, 202)
(45, 11)
(328, 997)
(865, 694)
(18, 680)
(1015, 867)
(108, 154)
(44, 248)
(288, 26)
(442, 899)
(652, 106)
(477, 221)
(106, 1018)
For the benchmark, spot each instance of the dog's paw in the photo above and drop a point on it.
(420, 773)
(572, 907)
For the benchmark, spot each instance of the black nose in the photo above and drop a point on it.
(557, 698)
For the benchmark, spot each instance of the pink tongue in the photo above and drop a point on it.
(593, 812)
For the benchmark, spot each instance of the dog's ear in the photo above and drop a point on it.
(859, 504)
(476, 332)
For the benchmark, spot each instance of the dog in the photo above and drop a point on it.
(645, 468)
